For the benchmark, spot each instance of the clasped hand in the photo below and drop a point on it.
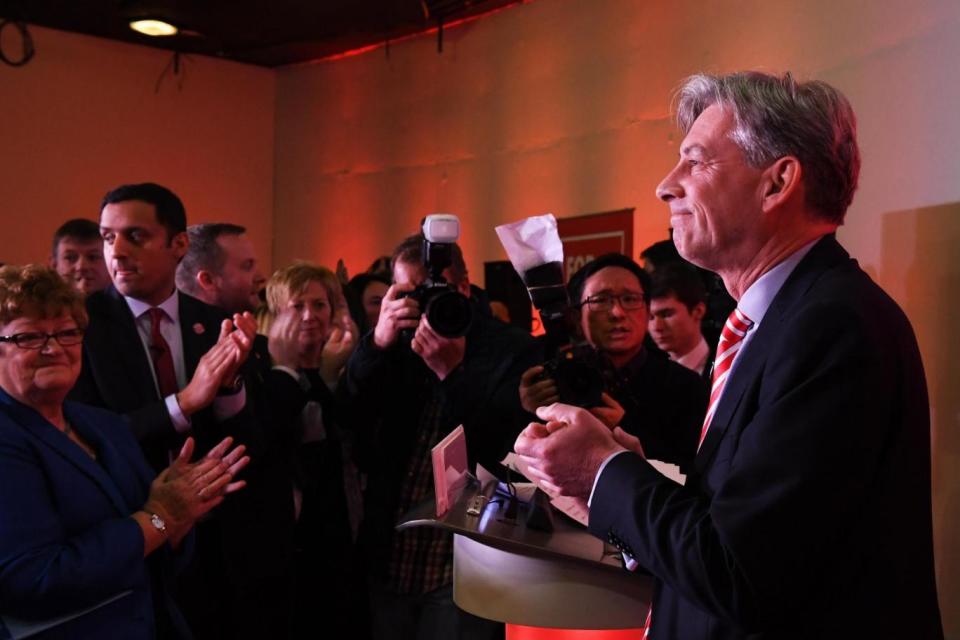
(565, 452)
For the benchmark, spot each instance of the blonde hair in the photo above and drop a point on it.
(38, 291)
(290, 281)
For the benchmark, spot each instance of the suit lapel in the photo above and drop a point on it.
(37, 427)
(197, 336)
(749, 369)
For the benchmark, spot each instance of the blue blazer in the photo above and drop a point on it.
(66, 539)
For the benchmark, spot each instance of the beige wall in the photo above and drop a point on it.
(561, 106)
(83, 117)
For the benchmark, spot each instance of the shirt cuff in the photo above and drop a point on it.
(228, 406)
(600, 471)
(181, 423)
(288, 371)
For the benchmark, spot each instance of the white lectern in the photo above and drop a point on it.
(559, 579)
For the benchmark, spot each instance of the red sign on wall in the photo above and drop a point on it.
(587, 237)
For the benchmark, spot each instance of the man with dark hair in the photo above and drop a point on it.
(659, 254)
(77, 255)
(677, 305)
(811, 502)
(654, 399)
(220, 267)
(411, 392)
(170, 213)
(165, 360)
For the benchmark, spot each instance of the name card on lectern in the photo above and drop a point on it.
(450, 469)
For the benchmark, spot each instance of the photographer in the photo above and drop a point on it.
(409, 392)
(659, 401)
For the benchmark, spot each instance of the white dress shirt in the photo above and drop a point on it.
(223, 406)
(696, 358)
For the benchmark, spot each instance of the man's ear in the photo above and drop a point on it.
(180, 243)
(205, 280)
(698, 311)
(464, 286)
(783, 181)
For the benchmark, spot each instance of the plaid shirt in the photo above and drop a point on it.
(421, 559)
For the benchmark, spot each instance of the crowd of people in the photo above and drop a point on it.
(191, 449)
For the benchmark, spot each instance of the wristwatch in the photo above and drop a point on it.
(158, 523)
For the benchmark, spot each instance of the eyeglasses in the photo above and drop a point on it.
(604, 301)
(36, 340)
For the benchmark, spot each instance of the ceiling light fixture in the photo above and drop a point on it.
(153, 27)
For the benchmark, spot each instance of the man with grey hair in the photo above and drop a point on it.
(809, 514)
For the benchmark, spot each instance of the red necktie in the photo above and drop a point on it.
(731, 338)
(160, 354)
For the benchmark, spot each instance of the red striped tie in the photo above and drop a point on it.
(731, 338)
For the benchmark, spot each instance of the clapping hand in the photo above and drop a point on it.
(186, 491)
(283, 339)
(337, 349)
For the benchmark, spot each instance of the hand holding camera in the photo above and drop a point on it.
(396, 313)
(537, 391)
(441, 354)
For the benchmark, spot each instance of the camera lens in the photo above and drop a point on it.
(449, 314)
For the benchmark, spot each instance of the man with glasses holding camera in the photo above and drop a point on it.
(649, 396)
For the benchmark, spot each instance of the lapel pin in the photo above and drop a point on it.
(199, 329)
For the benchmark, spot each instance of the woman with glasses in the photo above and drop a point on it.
(87, 534)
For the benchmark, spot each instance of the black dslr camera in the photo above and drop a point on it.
(448, 311)
(578, 370)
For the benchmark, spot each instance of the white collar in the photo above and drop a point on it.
(170, 306)
(696, 358)
(757, 299)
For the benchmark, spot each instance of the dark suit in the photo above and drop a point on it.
(809, 515)
(117, 375)
(66, 539)
(261, 516)
(663, 405)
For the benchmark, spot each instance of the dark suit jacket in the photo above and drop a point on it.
(663, 404)
(386, 393)
(810, 512)
(66, 539)
(117, 374)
